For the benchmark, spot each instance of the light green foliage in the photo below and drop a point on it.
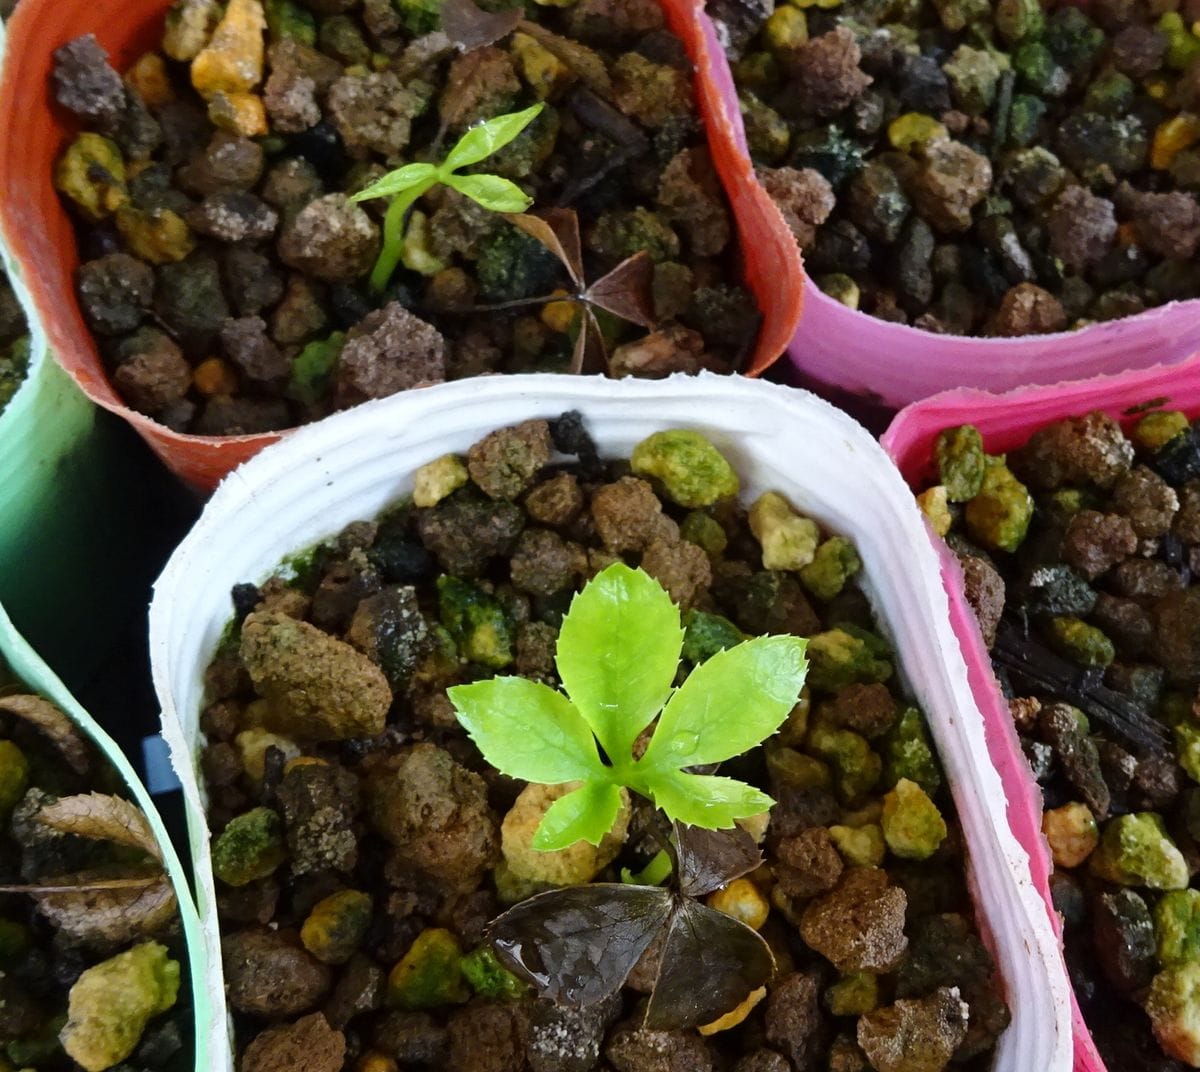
(489, 978)
(847, 656)
(14, 777)
(655, 873)
(476, 622)
(1135, 850)
(998, 516)
(912, 825)
(706, 634)
(833, 564)
(249, 848)
(111, 1003)
(907, 753)
(857, 768)
(406, 184)
(430, 974)
(618, 653)
(1174, 1009)
(693, 473)
(961, 461)
(313, 368)
(1177, 927)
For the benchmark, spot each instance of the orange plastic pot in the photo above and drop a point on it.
(39, 232)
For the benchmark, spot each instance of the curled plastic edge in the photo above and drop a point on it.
(353, 465)
(896, 364)
(40, 235)
(1005, 422)
(35, 675)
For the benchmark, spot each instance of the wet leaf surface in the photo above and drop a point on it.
(105, 818)
(470, 27)
(711, 963)
(55, 725)
(711, 859)
(577, 946)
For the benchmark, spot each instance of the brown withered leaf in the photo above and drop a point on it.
(711, 859)
(470, 27)
(55, 725)
(587, 65)
(627, 291)
(104, 818)
(558, 230)
(99, 907)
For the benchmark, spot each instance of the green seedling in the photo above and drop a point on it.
(407, 184)
(618, 654)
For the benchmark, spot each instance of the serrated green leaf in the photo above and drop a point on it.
(705, 800)
(528, 730)
(584, 814)
(395, 182)
(618, 650)
(491, 191)
(729, 704)
(485, 138)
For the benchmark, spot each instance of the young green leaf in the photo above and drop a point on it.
(584, 814)
(618, 650)
(528, 730)
(729, 704)
(485, 138)
(705, 800)
(491, 191)
(395, 182)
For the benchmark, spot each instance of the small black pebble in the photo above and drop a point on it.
(245, 598)
(571, 437)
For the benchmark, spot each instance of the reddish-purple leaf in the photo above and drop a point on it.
(470, 27)
(577, 946)
(590, 355)
(558, 230)
(711, 963)
(711, 859)
(627, 291)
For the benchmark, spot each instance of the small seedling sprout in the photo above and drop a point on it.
(618, 654)
(407, 184)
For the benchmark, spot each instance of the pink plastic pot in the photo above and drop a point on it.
(38, 230)
(1005, 422)
(894, 364)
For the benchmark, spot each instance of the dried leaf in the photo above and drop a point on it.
(91, 907)
(558, 230)
(470, 27)
(105, 818)
(711, 859)
(627, 291)
(577, 946)
(589, 355)
(711, 963)
(54, 724)
(587, 65)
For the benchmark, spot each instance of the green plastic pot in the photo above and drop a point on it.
(29, 669)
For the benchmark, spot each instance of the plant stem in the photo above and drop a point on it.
(393, 234)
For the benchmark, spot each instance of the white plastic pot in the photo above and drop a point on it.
(355, 464)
